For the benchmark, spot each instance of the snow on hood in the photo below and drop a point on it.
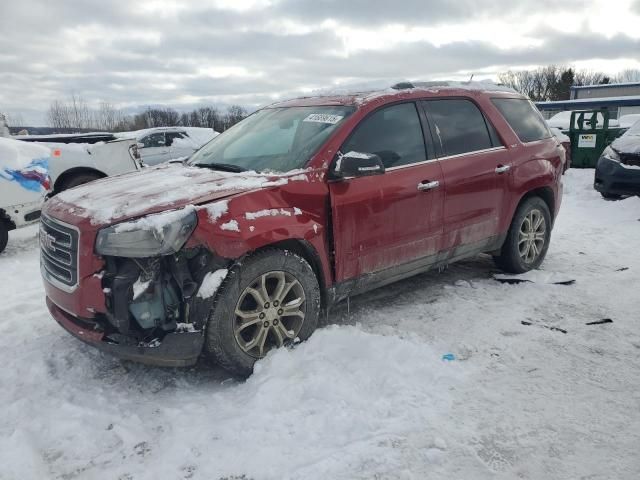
(156, 189)
(629, 142)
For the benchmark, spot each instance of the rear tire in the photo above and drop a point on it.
(528, 238)
(4, 236)
(266, 301)
(78, 180)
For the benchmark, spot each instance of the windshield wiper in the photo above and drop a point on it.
(225, 167)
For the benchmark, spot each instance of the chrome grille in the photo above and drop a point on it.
(59, 253)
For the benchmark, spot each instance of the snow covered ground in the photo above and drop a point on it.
(368, 397)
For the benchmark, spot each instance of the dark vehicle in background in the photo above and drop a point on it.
(302, 204)
(618, 168)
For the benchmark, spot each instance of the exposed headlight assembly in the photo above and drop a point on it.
(150, 236)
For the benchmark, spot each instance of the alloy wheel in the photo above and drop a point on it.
(269, 313)
(532, 236)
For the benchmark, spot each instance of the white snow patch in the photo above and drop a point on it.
(297, 211)
(231, 225)
(272, 212)
(217, 209)
(139, 287)
(361, 155)
(155, 222)
(211, 282)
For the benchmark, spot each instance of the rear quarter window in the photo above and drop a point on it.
(523, 117)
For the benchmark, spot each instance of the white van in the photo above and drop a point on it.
(24, 184)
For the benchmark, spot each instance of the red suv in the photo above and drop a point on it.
(304, 203)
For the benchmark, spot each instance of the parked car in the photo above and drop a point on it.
(628, 121)
(163, 144)
(24, 182)
(565, 141)
(238, 250)
(74, 164)
(618, 168)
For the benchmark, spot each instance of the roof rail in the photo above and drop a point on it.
(481, 85)
(405, 85)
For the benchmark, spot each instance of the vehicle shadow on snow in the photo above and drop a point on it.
(424, 288)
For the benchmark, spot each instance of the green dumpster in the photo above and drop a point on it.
(590, 134)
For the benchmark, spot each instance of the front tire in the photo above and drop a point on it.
(266, 301)
(528, 238)
(79, 179)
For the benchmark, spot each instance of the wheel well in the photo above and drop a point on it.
(72, 172)
(309, 253)
(546, 194)
(6, 219)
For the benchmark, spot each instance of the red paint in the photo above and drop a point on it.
(375, 222)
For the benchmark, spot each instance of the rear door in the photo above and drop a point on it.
(386, 220)
(476, 172)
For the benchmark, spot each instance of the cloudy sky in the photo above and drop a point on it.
(184, 53)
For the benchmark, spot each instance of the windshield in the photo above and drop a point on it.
(273, 139)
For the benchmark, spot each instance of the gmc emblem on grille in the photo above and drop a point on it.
(47, 241)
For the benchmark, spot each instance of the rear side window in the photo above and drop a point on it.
(458, 126)
(523, 117)
(393, 133)
(153, 140)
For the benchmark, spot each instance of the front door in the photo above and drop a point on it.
(386, 220)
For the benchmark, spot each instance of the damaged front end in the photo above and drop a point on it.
(155, 309)
(153, 306)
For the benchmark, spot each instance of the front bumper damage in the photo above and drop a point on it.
(617, 178)
(153, 312)
(175, 349)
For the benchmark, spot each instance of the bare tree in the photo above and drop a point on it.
(234, 114)
(629, 75)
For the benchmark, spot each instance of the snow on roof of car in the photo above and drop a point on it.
(199, 135)
(15, 154)
(362, 92)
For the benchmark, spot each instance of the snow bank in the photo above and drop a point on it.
(370, 401)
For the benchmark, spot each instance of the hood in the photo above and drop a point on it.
(629, 144)
(153, 190)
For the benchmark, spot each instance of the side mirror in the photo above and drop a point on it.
(357, 164)
(140, 145)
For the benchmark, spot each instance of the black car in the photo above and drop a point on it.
(618, 168)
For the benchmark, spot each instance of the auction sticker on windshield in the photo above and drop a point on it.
(323, 118)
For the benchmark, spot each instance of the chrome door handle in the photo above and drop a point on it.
(424, 186)
(502, 168)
